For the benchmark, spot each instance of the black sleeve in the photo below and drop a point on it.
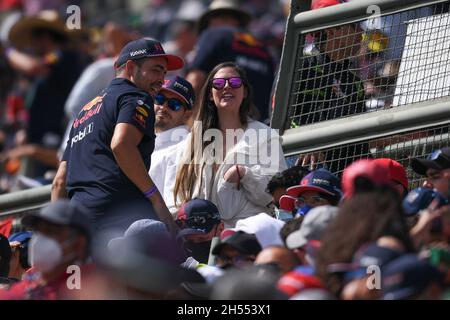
(208, 54)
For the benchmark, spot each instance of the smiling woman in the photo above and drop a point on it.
(224, 155)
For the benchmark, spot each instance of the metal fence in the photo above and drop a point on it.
(365, 79)
(401, 147)
(369, 65)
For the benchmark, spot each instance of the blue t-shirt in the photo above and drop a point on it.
(222, 44)
(94, 179)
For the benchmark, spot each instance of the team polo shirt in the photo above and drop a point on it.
(94, 179)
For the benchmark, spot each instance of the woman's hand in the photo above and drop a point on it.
(233, 175)
(310, 160)
(420, 233)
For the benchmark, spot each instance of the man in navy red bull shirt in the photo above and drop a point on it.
(107, 157)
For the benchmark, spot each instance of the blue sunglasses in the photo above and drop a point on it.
(174, 104)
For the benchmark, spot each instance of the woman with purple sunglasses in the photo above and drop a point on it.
(228, 158)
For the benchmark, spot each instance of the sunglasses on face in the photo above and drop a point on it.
(174, 104)
(234, 82)
(301, 201)
(201, 219)
(236, 261)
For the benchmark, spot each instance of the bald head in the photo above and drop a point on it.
(284, 258)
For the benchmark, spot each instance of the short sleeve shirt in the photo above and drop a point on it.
(93, 176)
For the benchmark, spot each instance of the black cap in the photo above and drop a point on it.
(243, 242)
(407, 276)
(62, 212)
(439, 160)
(147, 48)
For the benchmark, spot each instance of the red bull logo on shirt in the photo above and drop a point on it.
(89, 111)
(92, 103)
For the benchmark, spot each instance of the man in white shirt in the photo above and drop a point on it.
(173, 107)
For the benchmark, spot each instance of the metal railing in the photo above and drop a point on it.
(338, 66)
(401, 147)
(19, 202)
(336, 63)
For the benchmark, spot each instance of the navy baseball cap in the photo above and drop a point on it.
(419, 199)
(198, 216)
(368, 255)
(62, 212)
(321, 180)
(182, 88)
(243, 242)
(439, 160)
(147, 48)
(407, 276)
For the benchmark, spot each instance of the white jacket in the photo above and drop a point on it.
(264, 159)
(164, 161)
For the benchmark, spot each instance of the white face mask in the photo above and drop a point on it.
(283, 215)
(45, 253)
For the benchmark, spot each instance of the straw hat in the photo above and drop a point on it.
(218, 7)
(20, 34)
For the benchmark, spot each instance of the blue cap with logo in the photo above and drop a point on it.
(182, 88)
(147, 48)
(199, 217)
(321, 180)
(420, 198)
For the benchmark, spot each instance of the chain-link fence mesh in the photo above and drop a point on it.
(389, 61)
(402, 148)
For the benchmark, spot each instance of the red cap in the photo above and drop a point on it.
(287, 203)
(10, 4)
(317, 4)
(296, 281)
(396, 170)
(226, 233)
(369, 169)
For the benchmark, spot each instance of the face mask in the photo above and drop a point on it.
(199, 251)
(283, 215)
(45, 253)
(303, 210)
